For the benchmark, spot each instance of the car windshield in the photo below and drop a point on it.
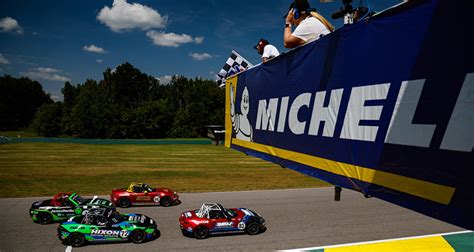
(115, 217)
(229, 212)
(147, 187)
(78, 199)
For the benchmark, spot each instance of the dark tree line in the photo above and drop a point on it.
(19, 101)
(130, 104)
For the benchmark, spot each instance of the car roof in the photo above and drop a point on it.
(206, 207)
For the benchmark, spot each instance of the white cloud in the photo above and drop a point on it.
(123, 16)
(3, 60)
(9, 24)
(56, 96)
(171, 39)
(45, 73)
(200, 56)
(165, 80)
(93, 48)
(198, 40)
(99, 60)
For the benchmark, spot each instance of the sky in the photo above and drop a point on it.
(75, 40)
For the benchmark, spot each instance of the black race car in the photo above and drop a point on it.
(63, 206)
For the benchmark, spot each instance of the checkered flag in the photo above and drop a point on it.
(234, 64)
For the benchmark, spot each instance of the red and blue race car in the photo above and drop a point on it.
(213, 218)
(142, 194)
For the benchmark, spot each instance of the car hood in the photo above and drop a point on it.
(119, 190)
(164, 190)
(191, 214)
(99, 202)
(39, 204)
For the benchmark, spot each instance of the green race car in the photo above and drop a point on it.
(64, 206)
(106, 225)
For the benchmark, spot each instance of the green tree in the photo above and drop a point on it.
(19, 101)
(47, 121)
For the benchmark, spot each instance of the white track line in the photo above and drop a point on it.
(68, 249)
(377, 241)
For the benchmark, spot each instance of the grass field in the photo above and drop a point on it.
(18, 134)
(43, 169)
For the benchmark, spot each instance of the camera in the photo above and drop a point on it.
(346, 9)
(349, 13)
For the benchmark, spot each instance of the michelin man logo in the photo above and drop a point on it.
(240, 122)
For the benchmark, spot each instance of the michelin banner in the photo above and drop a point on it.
(384, 107)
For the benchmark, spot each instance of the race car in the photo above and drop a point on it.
(213, 218)
(142, 194)
(63, 206)
(107, 225)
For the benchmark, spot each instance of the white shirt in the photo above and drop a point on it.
(310, 29)
(270, 51)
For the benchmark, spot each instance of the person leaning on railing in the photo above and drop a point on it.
(310, 25)
(267, 50)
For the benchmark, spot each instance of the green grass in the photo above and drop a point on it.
(43, 169)
(18, 133)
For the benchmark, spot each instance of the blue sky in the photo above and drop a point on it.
(75, 40)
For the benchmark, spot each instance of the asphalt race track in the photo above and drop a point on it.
(295, 219)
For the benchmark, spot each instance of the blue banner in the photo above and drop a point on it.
(384, 107)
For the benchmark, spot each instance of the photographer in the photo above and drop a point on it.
(310, 25)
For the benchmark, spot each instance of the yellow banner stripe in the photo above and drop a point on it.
(427, 190)
(430, 244)
(228, 124)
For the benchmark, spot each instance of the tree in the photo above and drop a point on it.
(19, 101)
(47, 121)
(130, 104)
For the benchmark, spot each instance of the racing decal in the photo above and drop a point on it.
(224, 224)
(197, 222)
(137, 218)
(156, 199)
(143, 198)
(241, 226)
(110, 233)
(78, 210)
(62, 211)
(247, 212)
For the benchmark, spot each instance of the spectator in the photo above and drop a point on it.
(267, 50)
(310, 25)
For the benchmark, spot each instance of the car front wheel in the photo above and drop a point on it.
(138, 236)
(45, 218)
(201, 232)
(124, 202)
(253, 228)
(165, 201)
(77, 239)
